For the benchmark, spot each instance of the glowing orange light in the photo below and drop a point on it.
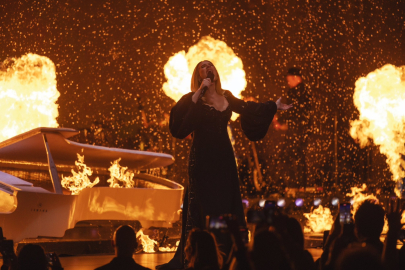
(147, 243)
(179, 68)
(319, 220)
(28, 95)
(119, 176)
(380, 99)
(79, 180)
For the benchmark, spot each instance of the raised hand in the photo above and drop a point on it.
(282, 106)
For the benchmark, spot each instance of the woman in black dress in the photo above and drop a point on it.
(213, 187)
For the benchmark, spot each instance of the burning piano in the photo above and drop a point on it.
(33, 203)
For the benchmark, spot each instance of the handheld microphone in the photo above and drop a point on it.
(211, 76)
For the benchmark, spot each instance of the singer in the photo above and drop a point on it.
(213, 187)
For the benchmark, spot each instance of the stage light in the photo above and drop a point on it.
(317, 202)
(281, 202)
(299, 202)
(335, 201)
(352, 201)
(245, 203)
(262, 202)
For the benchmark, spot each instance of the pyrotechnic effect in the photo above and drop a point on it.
(319, 220)
(79, 180)
(147, 243)
(119, 176)
(357, 197)
(27, 95)
(380, 99)
(179, 68)
(168, 249)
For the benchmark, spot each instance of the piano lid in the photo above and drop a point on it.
(29, 147)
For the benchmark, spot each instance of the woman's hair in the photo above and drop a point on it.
(196, 80)
(202, 250)
(32, 257)
(269, 252)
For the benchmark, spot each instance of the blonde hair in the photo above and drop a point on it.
(196, 80)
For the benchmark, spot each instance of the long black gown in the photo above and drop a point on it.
(213, 187)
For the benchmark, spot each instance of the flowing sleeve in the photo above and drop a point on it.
(184, 117)
(255, 117)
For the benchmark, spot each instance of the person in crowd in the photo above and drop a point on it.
(268, 252)
(124, 243)
(202, 251)
(294, 242)
(360, 258)
(33, 257)
(366, 233)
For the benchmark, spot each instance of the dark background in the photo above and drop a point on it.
(109, 58)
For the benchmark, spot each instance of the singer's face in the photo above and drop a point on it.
(206, 66)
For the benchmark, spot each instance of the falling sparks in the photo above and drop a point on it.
(120, 177)
(319, 220)
(380, 99)
(179, 68)
(147, 243)
(80, 179)
(28, 95)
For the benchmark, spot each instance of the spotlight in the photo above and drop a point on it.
(281, 202)
(317, 202)
(335, 201)
(352, 201)
(261, 202)
(299, 202)
(245, 203)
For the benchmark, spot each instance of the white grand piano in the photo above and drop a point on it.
(33, 202)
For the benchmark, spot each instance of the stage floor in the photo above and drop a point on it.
(147, 260)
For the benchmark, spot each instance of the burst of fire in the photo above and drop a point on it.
(80, 179)
(119, 176)
(147, 243)
(168, 249)
(319, 220)
(28, 95)
(358, 197)
(179, 68)
(380, 99)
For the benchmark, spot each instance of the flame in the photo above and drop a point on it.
(168, 249)
(147, 243)
(27, 95)
(119, 175)
(358, 197)
(179, 68)
(79, 180)
(319, 220)
(380, 99)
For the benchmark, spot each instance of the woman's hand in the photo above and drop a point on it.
(205, 83)
(282, 106)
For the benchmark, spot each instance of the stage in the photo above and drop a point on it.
(149, 260)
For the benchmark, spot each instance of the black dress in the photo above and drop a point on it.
(213, 187)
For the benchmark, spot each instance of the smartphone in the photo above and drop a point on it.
(269, 209)
(345, 213)
(244, 233)
(217, 223)
(255, 215)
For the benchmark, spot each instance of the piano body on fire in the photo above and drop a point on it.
(33, 203)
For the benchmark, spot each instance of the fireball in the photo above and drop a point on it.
(380, 99)
(28, 95)
(179, 68)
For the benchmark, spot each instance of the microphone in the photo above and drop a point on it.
(211, 76)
